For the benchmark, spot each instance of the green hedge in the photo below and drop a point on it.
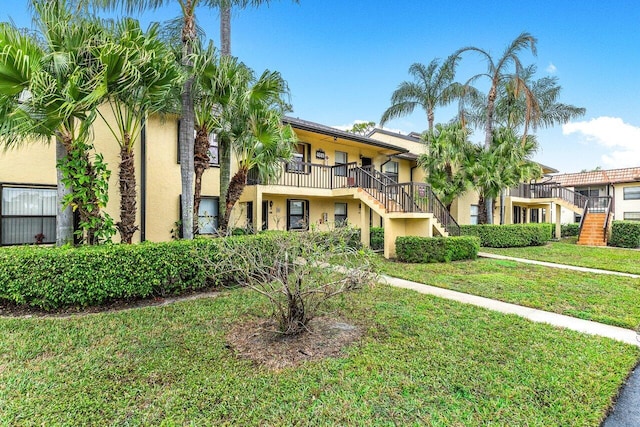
(377, 238)
(436, 249)
(625, 234)
(53, 278)
(509, 236)
(570, 230)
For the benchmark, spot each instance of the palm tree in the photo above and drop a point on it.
(433, 86)
(145, 76)
(224, 146)
(511, 105)
(50, 87)
(189, 40)
(447, 148)
(253, 123)
(506, 164)
(217, 83)
(498, 72)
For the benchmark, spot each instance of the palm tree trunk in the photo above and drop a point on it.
(186, 128)
(488, 136)
(201, 163)
(225, 29)
(482, 209)
(236, 187)
(127, 226)
(224, 145)
(64, 216)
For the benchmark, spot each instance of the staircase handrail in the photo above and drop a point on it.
(584, 215)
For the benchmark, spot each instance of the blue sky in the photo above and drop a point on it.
(344, 58)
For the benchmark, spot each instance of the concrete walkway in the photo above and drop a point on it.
(586, 326)
(554, 265)
(626, 412)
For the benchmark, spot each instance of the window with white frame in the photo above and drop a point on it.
(631, 193)
(208, 215)
(27, 215)
(474, 215)
(341, 159)
(631, 216)
(340, 214)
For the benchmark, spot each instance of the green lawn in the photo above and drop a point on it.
(615, 259)
(607, 299)
(423, 360)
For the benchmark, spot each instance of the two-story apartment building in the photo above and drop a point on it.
(334, 177)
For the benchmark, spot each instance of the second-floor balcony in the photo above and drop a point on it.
(556, 191)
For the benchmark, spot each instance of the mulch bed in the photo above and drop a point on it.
(256, 340)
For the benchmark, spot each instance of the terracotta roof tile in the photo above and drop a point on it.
(612, 176)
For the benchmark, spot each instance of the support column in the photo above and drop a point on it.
(558, 221)
(365, 228)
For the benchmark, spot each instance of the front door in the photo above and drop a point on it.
(367, 163)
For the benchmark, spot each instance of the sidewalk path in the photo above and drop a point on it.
(554, 265)
(586, 326)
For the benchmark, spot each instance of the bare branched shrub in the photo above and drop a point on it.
(297, 272)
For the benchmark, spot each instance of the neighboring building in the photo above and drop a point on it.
(622, 185)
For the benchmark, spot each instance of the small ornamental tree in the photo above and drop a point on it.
(298, 272)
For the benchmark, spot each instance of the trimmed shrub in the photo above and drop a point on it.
(53, 278)
(509, 236)
(570, 230)
(436, 249)
(625, 234)
(377, 238)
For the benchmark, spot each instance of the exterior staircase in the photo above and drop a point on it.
(386, 196)
(594, 230)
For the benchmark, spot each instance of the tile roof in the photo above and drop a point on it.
(612, 176)
(297, 123)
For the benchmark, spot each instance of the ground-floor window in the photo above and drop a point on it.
(631, 193)
(27, 215)
(208, 215)
(631, 216)
(297, 214)
(474, 215)
(534, 215)
(340, 214)
(517, 214)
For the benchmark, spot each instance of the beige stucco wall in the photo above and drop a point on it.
(31, 163)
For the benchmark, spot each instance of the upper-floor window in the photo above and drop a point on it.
(390, 169)
(631, 193)
(342, 158)
(27, 215)
(299, 161)
(214, 156)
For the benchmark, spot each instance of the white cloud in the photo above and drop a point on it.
(621, 139)
(551, 69)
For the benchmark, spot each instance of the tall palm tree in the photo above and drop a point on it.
(224, 147)
(145, 78)
(253, 123)
(507, 67)
(432, 86)
(447, 148)
(218, 81)
(189, 39)
(50, 88)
